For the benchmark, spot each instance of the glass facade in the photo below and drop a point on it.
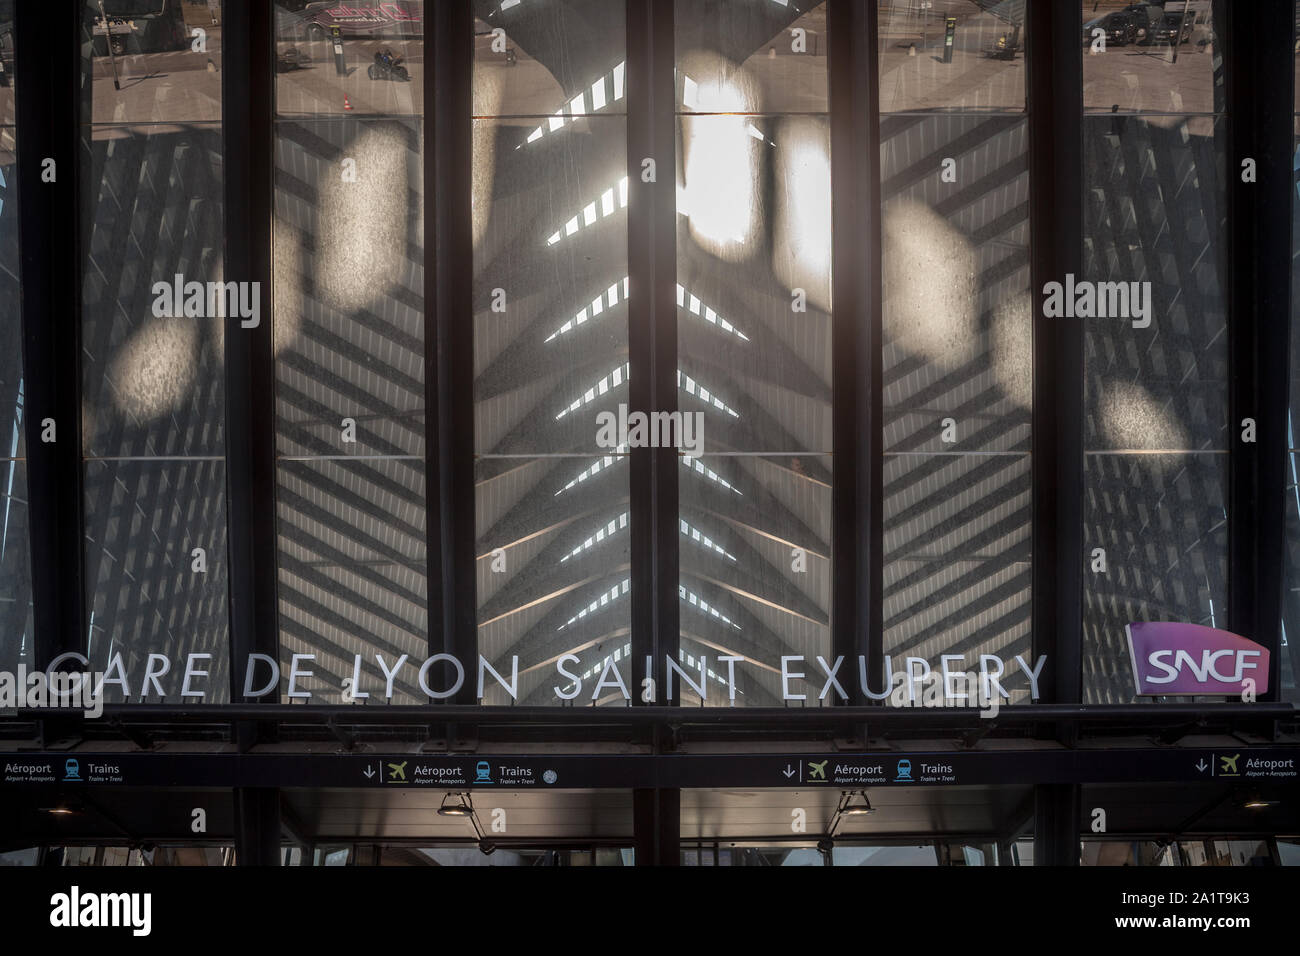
(434, 446)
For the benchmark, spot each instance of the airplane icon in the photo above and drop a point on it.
(1227, 764)
(397, 771)
(817, 770)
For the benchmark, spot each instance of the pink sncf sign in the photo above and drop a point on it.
(1170, 658)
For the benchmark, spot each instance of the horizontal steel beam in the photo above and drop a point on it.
(784, 718)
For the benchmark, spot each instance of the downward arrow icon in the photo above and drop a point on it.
(788, 771)
(368, 772)
(1202, 766)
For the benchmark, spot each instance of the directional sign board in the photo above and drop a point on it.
(611, 771)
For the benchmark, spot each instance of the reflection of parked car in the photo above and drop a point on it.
(1119, 29)
(139, 26)
(1145, 17)
(1172, 28)
(394, 18)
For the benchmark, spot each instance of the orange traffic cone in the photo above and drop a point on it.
(347, 105)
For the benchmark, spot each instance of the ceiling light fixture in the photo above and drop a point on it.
(1257, 802)
(458, 808)
(860, 808)
(856, 804)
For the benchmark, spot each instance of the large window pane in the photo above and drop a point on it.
(149, 592)
(754, 343)
(554, 573)
(352, 557)
(153, 380)
(958, 393)
(551, 287)
(551, 284)
(1155, 385)
(350, 392)
(341, 59)
(553, 59)
(152, 336)
(153, 61)
(980, 67)
(739, 57)
(1152, 58)
(755, 555)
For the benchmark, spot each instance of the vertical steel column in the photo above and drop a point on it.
(858, 441)
(248, 92)
(1057, 811)
(652, 331)
(1259, 52)
(656, 827)
(257, 823)
(1055, 103)
(652, 384)
(449, 340)
(47, 80)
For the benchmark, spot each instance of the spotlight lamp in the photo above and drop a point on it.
(857, 805)
(1259, 802)
(455, 805)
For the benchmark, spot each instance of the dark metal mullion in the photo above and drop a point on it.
(449, 339)
(652, 333)
(257, 809)
(656, 822)
(652, 386)
(1055, 104)
(1260, 55)
(247, 90)
(48, 67)
(858, 441)
(1054, 78)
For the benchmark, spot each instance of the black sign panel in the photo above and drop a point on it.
(600, 771)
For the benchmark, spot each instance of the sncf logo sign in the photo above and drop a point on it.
(1174, 658)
